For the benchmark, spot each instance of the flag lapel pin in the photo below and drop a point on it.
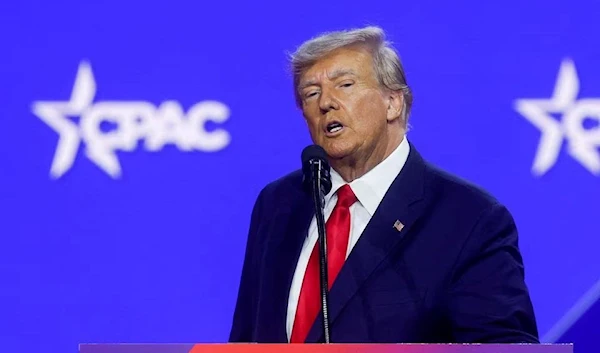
(398, 225)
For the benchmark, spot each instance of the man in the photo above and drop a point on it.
(415, 254)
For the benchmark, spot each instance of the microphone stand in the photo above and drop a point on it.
(319, 202)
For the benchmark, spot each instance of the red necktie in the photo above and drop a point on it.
(338, 233)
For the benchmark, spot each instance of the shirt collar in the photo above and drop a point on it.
(372, 187)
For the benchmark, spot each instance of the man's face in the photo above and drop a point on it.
(346, 110)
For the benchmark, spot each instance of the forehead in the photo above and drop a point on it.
(343, 60)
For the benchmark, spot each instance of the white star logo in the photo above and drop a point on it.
(582, 142)
(134, 121)
(54, 114)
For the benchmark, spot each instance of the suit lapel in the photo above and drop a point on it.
(401, 203)
(282, 256)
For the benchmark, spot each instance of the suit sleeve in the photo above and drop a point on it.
(245, 308)
(488, 300)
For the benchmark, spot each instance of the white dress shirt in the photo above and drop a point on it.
(369, 190)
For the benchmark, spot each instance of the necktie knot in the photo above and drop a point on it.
(346, 196)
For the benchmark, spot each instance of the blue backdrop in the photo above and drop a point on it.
(136, 135)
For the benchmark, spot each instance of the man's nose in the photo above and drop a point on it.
(327, 101)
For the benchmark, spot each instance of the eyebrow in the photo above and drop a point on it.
(335, 74)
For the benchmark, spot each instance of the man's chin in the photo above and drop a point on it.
(337, 153)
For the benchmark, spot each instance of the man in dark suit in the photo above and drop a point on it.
(415, 254)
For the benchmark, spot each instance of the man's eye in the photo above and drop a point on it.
(311, 94)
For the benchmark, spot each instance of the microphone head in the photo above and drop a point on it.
(310, 155)
(313, 152)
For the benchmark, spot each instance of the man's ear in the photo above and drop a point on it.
(395, 105)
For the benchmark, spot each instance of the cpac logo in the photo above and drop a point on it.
(582, 142)
(134, 121)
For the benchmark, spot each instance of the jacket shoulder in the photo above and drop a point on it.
(290, 181)
(284, 190)
(464, 195)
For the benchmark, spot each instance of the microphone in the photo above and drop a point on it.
(317, 180)
(316, 168)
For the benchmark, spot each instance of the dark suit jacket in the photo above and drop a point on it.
(453, 274)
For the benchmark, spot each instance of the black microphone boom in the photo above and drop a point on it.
(317, 179)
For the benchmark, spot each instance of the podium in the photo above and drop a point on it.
(325, 348)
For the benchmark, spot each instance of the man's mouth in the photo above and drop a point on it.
(334, 127)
